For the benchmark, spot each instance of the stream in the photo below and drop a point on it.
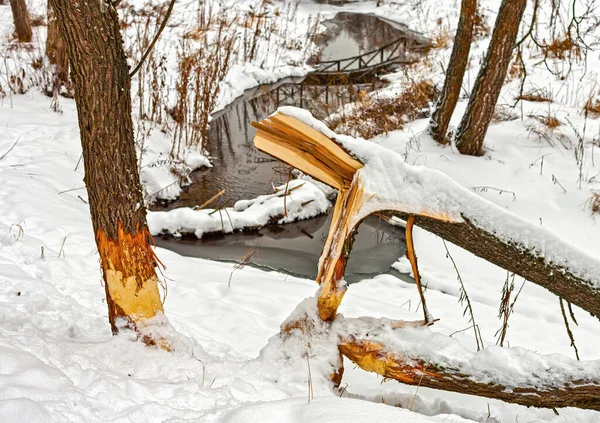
(244, 172)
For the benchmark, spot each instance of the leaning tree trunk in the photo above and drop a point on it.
(101, 79)
(475, 122)
(440, 119)
(55, 49)
(21, 19)
(305, 148)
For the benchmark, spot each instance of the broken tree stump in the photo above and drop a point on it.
(371, 179)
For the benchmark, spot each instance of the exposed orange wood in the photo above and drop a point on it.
(412, 257)
(130, 277)
(307, 149)
(374, 357)
(336, 218)
(333, 262)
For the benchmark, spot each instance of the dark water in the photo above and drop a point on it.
(244, 172)
(295, 248)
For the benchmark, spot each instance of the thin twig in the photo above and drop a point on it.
(62, 246)
(500, 191)
(571, 313)
(571, 337)
(10, 149)
(210, 200)
(311, 394)
(69, 190)
(505, 310)
(412, 403)
(151, 46)
(465, 297)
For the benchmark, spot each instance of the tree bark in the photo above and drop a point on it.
(55, 48)
(440, 119)
(100, 75)
(515, 258)
(475, 122)
(21, 20)
(376, 357)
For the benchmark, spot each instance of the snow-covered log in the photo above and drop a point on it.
(372, 179)
(418, 356)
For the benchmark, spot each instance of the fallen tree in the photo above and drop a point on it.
(439, 205)
(372, 179)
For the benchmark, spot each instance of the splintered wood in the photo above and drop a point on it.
(310, 151)
(306, 149)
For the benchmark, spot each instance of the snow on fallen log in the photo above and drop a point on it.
(384, 182)
(418, 356)
(301, 200)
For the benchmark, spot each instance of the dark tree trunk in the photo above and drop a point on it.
(101, 80)
(21, 19)
(475, 122)
(516, 258)
(55, 49)
(440, 119)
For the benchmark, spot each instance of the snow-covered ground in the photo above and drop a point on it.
(59, 362)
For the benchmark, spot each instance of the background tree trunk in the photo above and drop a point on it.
(100, 75)
(21, 19)
(55, 48)
(440, 119)
(475, 122)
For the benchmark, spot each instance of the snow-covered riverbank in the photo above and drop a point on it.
(59, 361)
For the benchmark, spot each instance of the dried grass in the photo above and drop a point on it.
(536, 95)
(201, 71)
(442, 37)
(594, 202)
(481, 29)
(562, 48)
(592, 106)
(373, 116)
(504, 113)
(37, 20)
(549, 121)
(545, 129)
(516, 69)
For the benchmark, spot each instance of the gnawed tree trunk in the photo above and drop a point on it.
(55, 49)
(440, 119)
(100, 75)
(477, 117)
(299, 144)
(21, 20)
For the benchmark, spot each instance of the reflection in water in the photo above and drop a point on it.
(353, 34)
(295, 248)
